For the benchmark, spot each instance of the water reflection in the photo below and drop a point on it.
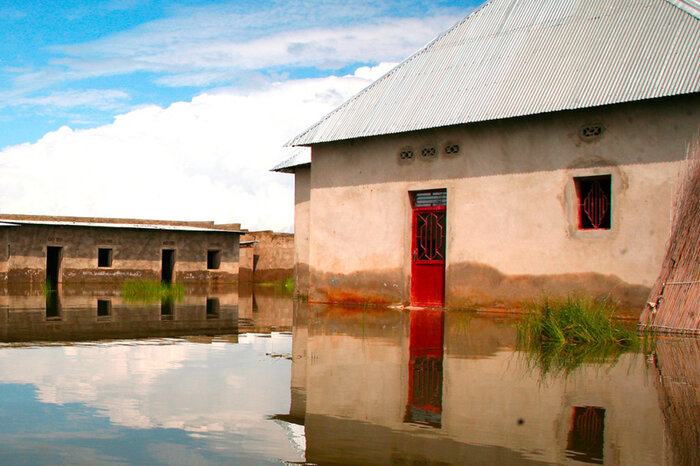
(425, 368)
(370, 386)
(677, 365)
(394, 386)
(70, 393)
(75, 313)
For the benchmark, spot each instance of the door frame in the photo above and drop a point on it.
(415, 210)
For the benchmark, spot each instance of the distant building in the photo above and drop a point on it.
(85, 250)
(533, 148)
(266, 256)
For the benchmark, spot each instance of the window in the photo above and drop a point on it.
(213, 259)
(104, 257)
(594, 195)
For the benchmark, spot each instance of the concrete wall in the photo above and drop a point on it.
(270, 259)
(302, 209)
(512, 230)
(136, 253)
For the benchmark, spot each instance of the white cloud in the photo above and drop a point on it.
(182, 385)
(214, 47)
(96, 98)
(207, 159)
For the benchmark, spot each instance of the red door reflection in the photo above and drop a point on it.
(425, 368)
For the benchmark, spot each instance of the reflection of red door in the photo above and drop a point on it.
(428, 256)
(425, 367)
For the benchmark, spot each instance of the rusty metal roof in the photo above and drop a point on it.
(513, 58)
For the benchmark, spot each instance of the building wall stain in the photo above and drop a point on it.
(481, 286)
(475, 286)
(366, 287)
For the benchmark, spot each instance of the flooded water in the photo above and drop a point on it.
(251, 377)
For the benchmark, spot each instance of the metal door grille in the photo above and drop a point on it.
(427, 382)
(430, 236)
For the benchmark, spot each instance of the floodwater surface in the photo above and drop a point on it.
(254, 378)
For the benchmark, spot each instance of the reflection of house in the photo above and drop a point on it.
(529, 148)
(85, 312)
(481, 401)
(79, 250)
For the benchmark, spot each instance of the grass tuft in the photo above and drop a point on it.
(575, 320)
(559, 335)
(151, 291)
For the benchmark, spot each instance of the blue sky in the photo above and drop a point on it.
(82, 66)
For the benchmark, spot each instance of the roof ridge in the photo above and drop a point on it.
(692, 7)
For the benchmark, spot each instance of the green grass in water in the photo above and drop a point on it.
(285, 286)
(151, 291)
(575, 320)
(559, 335)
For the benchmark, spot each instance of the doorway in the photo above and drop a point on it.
(428, 247)
(167, 266)
(54, 256)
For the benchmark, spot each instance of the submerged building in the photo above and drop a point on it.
(85, 250)
(533, 148)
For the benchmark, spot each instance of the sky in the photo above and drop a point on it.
(178, 109)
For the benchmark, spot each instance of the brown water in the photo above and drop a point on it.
(250, 377)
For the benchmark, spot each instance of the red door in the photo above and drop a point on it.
(428, 256)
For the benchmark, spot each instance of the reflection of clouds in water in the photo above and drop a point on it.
(198, 388)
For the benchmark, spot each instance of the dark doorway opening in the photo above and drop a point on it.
(53, 304)
(167, 309)
(53, 265)
(167, 266)
(213, 306)
(104, 309)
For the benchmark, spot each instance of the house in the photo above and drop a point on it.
(533, 148)
(266, 256)
(98, 250)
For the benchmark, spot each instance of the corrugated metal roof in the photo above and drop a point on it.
(512, 58)
(691, 6)
(293, 157)
(138, 226)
